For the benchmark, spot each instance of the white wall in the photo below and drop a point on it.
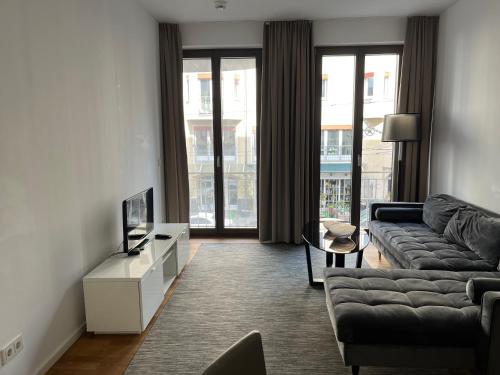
(359, 31)
(466, 135)
(341, 31)
(79, 132)
(246, 34)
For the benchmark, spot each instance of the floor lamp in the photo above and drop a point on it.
(402, 128)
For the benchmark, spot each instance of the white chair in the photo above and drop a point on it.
(246, 357)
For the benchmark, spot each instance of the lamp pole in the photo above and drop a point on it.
(401, 128)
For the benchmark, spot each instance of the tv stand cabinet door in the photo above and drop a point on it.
(112, 306)
(182, 249)
(151, 293)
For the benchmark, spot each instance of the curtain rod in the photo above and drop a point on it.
(269, 22)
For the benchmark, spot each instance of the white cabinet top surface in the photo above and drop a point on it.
(124, 267)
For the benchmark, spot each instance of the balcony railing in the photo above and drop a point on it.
(240, 199)
(372, 190)
(336, 153)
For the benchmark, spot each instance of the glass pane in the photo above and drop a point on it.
(337, 112)
(197, 81)
(239, 127)
(381, 72)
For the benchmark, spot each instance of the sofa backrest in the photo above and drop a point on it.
(476, 231)
(465, 224)
(439, 209)
(478, 208)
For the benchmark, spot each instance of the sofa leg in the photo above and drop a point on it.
(355, 370)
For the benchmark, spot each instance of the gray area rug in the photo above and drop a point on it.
(229, 290)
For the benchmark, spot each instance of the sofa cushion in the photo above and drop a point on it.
(374, 306)
(417, 246)
(456, 226)
(438, 210)
(476, 231)
(399, 214)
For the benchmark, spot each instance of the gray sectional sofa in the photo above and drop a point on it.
(440, 305)
(418, 241)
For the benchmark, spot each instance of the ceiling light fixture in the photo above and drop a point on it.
(220, 5)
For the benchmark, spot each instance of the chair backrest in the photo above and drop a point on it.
(246, 357)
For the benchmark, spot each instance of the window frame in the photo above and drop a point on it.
(216, 55)
(359, 95)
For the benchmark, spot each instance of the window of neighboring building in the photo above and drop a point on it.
(206, 194)
(336, 144)
(387, 77)
(236, 86)
(205, 95)
(333, 142)
(229, 142)
(335, 196)
(346, 142)
(232, 191)
(324, 86)
(369, 83)
(323, 146)
(202, 143)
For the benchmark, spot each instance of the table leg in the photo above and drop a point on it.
(316, 283)
(359, 259)
(340, 260)
(329, 259)
(309, 266)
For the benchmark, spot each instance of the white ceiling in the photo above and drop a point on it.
(253, 10)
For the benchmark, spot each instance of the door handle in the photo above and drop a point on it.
(218, 161)
(359, 160)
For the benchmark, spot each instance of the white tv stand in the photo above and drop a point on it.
(123, 293)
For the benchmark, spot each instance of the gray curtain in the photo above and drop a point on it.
(174, 139)
(416, 94)
(288, 159)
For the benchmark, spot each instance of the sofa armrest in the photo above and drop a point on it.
(490, 324)
(490, 313)
(478, 286)
(375, 205)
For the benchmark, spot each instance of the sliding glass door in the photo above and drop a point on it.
(221, 116)
(356, 87)
(199, 128)
(338, 76)
(379, 99)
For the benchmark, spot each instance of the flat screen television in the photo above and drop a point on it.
(138, 219)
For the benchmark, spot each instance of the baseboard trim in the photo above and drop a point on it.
(60, 350)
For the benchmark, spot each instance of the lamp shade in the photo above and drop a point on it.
(401, 127)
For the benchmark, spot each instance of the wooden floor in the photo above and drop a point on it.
(110, 354)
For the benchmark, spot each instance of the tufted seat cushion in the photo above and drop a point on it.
(416, 246)
(370, 306)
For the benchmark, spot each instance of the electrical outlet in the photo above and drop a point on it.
(13, 348)
(18, 344)
(8, 353)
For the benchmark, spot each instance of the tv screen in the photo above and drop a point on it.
(138, 219)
